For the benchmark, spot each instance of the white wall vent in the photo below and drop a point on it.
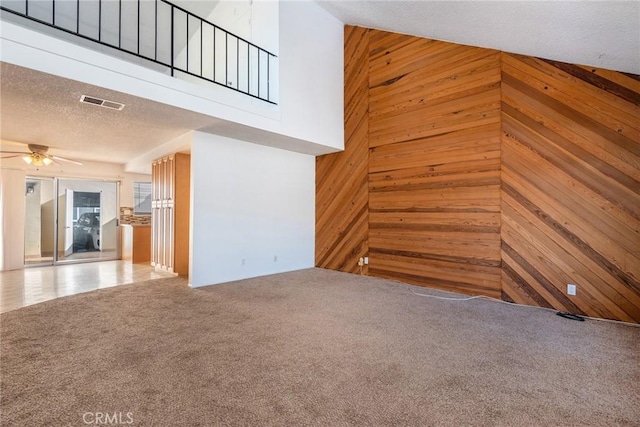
(101, 102)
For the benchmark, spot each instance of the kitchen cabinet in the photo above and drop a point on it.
(170, 188)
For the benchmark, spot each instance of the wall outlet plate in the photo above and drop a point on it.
(571, 289)
(366, 260)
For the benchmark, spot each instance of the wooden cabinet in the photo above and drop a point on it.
(136, 243)
(141, 245)
(170, 188)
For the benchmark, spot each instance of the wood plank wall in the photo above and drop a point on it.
(434, 165)
(571, 187)
(486, 173)
(341, 179)
(182, 209)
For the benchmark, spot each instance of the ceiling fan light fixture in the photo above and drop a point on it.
(38, 156)
(37, 159)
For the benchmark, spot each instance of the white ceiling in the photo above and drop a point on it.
(44, 109)
(603, 34)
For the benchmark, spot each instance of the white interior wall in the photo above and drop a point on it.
(235, 17)
(12, 219)
(253, 20)
(311, 71)
(264, 15)
(253, 210)
(33, 219)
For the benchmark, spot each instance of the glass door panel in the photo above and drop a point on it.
(87, 220)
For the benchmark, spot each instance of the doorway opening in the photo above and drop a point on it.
(70, 220)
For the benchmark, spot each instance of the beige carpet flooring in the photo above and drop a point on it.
(313, 347)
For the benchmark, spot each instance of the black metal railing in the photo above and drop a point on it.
(161, 32)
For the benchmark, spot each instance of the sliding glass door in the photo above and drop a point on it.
(86, 213)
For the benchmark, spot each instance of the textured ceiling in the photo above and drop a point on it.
(43, 109)
(603, 34)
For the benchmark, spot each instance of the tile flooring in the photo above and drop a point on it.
(20, 288)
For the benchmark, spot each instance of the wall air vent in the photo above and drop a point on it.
(101, 102)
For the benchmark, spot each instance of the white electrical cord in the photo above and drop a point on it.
(635, 325)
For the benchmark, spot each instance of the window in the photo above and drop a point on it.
(142, 198)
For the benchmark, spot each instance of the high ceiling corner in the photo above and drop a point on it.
(604, 34)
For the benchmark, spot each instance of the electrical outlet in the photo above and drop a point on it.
(243, 261)
(275, 258)
(571, 289)
(366, 260)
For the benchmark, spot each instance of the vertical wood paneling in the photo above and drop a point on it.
(571, 187)
(434, 163)
(181, 188)
(341, 178)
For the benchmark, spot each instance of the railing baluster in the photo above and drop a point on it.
(187, 67)
(53, 12)
(226, 59)
(248, 68)
(258, 72)
(268, 78)
(99, 20)
(214, 53)
(201, 48)
(172, 32)
(155, 33)
(237, 63)
(138, 27)
(120, 24)
(78, 17)
(26, 7)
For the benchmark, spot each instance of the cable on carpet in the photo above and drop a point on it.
(564, 314)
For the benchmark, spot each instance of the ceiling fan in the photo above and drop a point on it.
(37, 156)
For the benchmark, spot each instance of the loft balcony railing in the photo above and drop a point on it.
(161, 32)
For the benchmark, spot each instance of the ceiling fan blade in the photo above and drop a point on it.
(14, 152)
(75, 162)
(11, 157)
(6, 143)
